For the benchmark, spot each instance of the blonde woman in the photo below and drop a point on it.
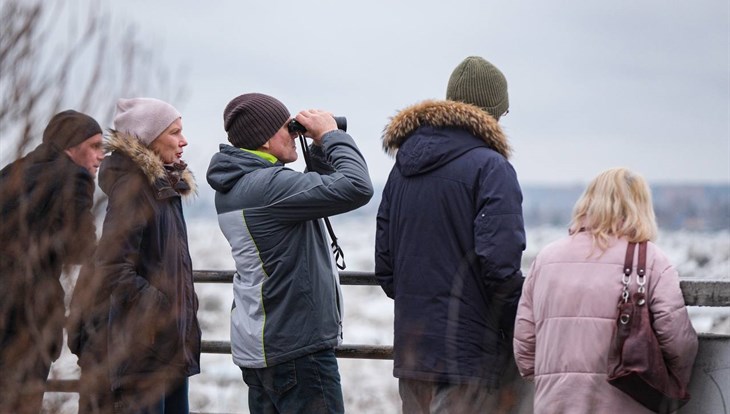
(153, 332)
(567, 312)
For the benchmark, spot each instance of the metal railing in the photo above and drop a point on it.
(696, 293)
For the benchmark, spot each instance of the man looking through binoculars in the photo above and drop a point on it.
(286, 318)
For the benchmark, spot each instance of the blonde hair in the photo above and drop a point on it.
(616, 203)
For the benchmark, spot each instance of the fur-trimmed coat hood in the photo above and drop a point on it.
(150, 164)
(143, 255)
(444, 114)
(450, 232)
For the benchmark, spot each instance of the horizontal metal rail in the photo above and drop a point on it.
(378, 352)
(696, 293)
(226, 276)
(706, 292)
(384, 352)
(342, 351)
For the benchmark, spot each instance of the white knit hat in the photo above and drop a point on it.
(144, 118)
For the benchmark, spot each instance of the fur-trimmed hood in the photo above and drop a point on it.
(444, 114)
(151, 165)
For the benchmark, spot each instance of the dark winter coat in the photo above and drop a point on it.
(143, 257)
(46, 201)
(449, 243)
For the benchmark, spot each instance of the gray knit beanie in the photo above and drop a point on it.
(144, 118)
(252, 119)
(476, 81)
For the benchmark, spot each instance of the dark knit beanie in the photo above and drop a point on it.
(476, 81)
(253, 118)
(69, 128)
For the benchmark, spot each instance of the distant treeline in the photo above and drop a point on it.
(695, 207)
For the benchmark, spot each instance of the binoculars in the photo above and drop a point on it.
(295, 126)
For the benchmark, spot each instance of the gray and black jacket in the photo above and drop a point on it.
(287, 301)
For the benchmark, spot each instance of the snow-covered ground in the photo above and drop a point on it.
(368, 385)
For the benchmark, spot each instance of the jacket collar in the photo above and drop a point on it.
(265, 155)
(444, 114)
(151, 166)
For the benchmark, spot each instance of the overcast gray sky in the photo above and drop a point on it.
(593, 85)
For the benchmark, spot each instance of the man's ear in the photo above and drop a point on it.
(265, 146)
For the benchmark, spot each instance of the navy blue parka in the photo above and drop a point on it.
(449, 243)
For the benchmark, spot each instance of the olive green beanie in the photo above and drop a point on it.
(478, 82)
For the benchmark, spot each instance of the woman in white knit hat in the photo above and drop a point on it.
(144, 262)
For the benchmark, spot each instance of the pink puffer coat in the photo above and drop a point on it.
(566, 318)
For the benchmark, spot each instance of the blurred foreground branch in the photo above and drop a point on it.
(70, 54)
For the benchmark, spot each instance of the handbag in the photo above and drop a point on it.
(635, 362)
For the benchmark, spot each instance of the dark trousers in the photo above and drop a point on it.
(95, 394)
(26, 353)
(309, 384)
(23, 382)
(425, 397)
(171, 400)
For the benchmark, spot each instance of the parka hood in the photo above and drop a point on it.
(444, 114)
(143, 157)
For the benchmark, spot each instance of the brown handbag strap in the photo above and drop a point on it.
(640, 271)
(626, 278)
(641, 266)
(629, 261)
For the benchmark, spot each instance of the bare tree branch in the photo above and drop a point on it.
(65, 54)
(62, 55)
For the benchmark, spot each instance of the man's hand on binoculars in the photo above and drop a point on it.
(317, 123)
